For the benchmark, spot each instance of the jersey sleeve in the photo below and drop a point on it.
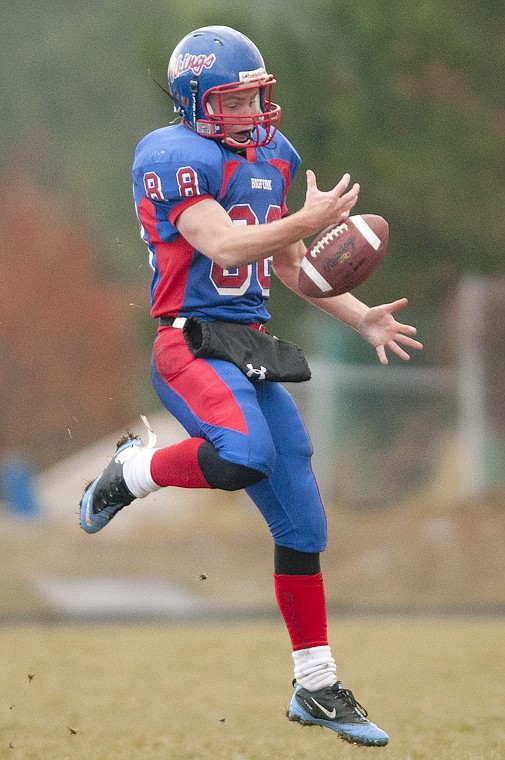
(168, 177)
(289, 153)
(290, 159)
(296, 162)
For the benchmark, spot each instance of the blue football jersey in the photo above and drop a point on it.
(174, 168)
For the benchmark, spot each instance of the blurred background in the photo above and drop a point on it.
(406, 96)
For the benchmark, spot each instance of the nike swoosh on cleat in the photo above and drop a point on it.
(331, 715)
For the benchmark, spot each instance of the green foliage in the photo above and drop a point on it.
(405, 95)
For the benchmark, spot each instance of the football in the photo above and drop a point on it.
(343, 256)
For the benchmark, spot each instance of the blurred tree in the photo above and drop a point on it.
(69, 360)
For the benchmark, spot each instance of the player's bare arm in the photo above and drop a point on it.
(375, 324)
(209, 229)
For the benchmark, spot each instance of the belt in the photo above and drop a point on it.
(181, 321)
(172, 322)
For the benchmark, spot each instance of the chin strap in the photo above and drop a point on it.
(246, 150)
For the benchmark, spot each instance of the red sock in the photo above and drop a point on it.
(302, 604)
(177, 465)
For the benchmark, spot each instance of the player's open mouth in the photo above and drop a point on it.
(241, 138)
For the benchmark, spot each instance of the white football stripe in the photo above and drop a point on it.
(366, 231)
(314, 275)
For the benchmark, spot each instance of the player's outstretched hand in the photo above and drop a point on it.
(380, 328)
(332, 207)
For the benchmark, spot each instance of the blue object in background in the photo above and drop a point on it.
(17, 486)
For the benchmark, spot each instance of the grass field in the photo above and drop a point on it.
(219, 691)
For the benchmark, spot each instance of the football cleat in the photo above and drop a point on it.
(336, 708)
(104, 497)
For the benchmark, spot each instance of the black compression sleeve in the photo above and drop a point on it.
(292, 562)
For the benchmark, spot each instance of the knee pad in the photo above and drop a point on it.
(223, 474)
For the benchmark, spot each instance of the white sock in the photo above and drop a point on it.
(315, 668)
(137, 471)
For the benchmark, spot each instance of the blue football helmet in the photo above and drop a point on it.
(218, 59)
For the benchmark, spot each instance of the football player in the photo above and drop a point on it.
(210, 195)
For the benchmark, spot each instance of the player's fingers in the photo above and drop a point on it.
(406, 329)
(342, 185)
(410, 342)
(396, 349)
(395, 305)
(311, 180)
(381, 353)
(346, 202)
(351, 196)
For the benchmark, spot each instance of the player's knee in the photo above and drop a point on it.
(312, 539)
(306, 536)
(223, 474)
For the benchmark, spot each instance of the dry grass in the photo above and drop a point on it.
(217, 692)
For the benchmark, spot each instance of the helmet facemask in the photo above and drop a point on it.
(218, 118)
